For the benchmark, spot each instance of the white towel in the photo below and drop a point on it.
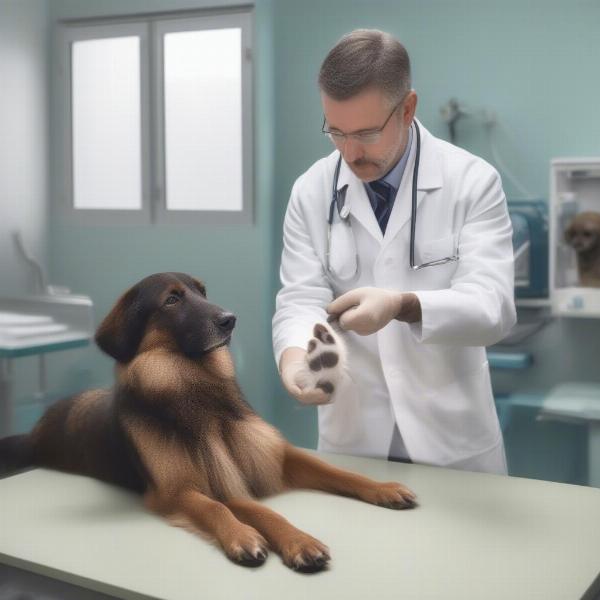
(12, 318)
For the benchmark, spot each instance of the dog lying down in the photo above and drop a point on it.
(177, 429)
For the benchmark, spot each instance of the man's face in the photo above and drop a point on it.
(365, 112)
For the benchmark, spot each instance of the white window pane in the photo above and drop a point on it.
(203, 120)
(106, 123)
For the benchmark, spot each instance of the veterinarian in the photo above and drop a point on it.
(417, 326)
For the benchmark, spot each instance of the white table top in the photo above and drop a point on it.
(473, 536)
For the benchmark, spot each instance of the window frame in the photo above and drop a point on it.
(104, 216)
(204, 22)
(150, 29)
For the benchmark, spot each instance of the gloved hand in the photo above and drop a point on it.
(366, 310)
(295, 376)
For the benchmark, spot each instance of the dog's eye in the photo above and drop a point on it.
(172, 299)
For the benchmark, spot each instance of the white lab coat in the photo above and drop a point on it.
(431, 377)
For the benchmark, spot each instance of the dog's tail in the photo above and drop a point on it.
(16, 454)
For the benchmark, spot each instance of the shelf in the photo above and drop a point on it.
(509, 360)
(576, 302)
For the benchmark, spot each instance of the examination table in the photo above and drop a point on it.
(474, 536)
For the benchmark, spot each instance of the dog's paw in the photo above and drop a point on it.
(246, 547)
(304, 553)
(326, 357)
(389, 495)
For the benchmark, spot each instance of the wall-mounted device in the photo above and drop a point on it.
(530, 246)
(530, 243)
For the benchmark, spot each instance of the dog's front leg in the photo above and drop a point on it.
(241, 542)
(301, 470)
(298, 550)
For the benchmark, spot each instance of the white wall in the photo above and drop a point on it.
(23, 137)
(23, 164)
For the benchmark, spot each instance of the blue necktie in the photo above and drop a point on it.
(384, 197)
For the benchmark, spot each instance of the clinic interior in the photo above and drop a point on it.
(527, 103)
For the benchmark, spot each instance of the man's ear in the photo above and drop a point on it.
(409, 108)
(120, 334)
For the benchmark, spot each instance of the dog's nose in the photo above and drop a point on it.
(226, 321)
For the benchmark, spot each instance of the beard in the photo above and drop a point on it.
(369, 168)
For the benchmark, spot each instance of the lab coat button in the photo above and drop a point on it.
(389, 262)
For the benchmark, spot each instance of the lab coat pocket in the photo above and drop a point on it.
(340, 421)
(343, 259)
(439, 249)
(465, 417)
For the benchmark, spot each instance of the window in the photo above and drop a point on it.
(106, 123)
(158, 112)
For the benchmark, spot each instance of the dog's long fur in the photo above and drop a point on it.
(583, 235)
(177, 429)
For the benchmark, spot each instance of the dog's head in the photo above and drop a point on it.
(167, 310)
(583, 233)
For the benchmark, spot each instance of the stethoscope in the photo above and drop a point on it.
(339, 201)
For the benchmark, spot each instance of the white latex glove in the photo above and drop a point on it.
(312, 376)
(294, 373)
(366, 310)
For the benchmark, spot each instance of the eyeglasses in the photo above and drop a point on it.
(371, 136)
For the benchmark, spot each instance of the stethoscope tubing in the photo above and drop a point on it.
(413, 209)
(339, 198)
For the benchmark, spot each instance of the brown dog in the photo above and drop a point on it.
(583, 235)
(177, 429)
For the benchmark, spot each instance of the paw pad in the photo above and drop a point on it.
(325, 359)
(323, 334)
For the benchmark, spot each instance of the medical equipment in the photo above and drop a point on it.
(451, 112)
(578, 403)
(530, 245)
(530, 242)
(49, 320)
(35, 326)
(339, 201)
(574, 189)
(455, 110)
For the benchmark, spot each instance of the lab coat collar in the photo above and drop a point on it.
(430, 178)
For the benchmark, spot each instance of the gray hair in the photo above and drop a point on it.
(366, 58)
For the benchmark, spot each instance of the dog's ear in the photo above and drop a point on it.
(200, 286)
(569, 231)
(120, 334)
(192, 282)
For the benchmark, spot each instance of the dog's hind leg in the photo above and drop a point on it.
(301, 470)
(298, 550)
(241, 542)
